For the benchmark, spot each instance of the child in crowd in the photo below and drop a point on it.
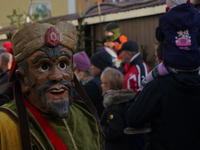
(114, 39)
(113, 119)
(178, 28)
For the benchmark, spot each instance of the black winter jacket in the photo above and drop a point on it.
(113, 121)
(172, 106)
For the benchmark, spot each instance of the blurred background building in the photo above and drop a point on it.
(137, 19)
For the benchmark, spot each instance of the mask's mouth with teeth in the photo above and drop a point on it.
(57, 92)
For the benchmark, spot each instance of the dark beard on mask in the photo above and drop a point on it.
(59, 108)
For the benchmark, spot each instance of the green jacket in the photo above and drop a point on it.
(78, 132)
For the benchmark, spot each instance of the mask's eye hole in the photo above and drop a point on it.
(44, 67)
(62, 65)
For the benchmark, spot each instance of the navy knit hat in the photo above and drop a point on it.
(101, 60)
(129, 46)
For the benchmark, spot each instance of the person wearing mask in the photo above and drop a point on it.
(44, 114)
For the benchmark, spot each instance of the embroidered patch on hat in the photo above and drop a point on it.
(111, 116)
(52, 37)
(183, 40)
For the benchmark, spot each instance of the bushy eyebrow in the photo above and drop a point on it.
(40, 56)
(64, 53)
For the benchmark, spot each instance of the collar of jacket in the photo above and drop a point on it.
(136, 59)
(4, 73)
(99, 74)
(117, 97)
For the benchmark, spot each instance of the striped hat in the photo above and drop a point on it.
(171, 3)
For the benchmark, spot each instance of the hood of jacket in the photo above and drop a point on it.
(182, 16)
(117, 97)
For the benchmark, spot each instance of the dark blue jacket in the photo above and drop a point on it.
(9, 92)
(94, 92)
(178, 28)
(171, 104)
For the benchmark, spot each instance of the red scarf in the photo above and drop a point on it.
(49, 131)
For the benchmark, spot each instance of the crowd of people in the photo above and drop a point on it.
(6, 59)
(66, 100)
